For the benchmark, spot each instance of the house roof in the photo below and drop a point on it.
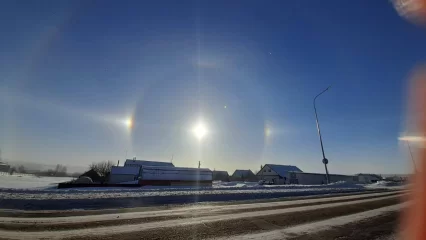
(283, 169)
(240, 173)
(130, 170)
(94, 175)
(370, 174)
(147, 163)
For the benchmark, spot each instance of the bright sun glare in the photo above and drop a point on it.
(200, 131)
(129, 123)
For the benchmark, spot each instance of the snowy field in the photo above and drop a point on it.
(30, 192)
(30, 181)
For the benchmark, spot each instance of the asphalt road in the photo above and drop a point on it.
(363, 216)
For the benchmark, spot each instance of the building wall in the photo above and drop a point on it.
(367, 179)
(119, 178)
(4, 168)
(317, 178)
(175, 173)
(269, 175)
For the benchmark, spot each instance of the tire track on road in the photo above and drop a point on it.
(216, 225)
(50, 224)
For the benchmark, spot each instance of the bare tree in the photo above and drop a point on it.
(60, 170)
(103, 168)
(21, 169)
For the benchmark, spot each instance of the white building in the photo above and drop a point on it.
(140, 163)
(288, 174)
(368, 178)
(276, 174)
(318, 178)
(159, 173)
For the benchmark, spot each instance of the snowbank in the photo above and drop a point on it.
(39, 194)
(386, 185)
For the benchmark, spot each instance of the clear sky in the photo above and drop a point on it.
(72, 72)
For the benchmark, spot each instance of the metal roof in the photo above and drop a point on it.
(241, 173)
(147, 163)
(130, 170)
(283, 169)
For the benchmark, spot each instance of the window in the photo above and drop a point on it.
(269, 170)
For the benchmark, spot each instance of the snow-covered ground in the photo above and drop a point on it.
(27, 181)
(30, 192)
(24, 183)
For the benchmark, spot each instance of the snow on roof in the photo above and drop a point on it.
(241, 173)
(283, 169)
(369, 174)
(130, 170)
(147, 163)
(167, 168)
(331, 174)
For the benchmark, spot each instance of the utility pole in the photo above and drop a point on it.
(199, 164)
(324, 159)
(411, 154)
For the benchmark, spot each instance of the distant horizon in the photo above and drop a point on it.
(86, 168)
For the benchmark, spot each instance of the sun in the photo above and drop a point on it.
(200, 130)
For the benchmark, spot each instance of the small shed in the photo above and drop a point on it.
(243, 175)
(220, 176)
(92, 174)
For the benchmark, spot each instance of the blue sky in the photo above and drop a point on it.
(72, 71)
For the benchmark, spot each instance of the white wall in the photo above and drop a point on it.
(269, 175)
(185, 174)
(314, 179)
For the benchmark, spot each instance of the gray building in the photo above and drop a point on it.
(4, 167)
(368, 178)
(318, 178)
(220, 176)
(243, 175)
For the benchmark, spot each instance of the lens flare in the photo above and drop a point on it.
(128, 123)
(200, 130)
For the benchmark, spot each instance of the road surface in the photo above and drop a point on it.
(361, 216)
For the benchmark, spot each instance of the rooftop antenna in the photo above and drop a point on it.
(199, 164)
(171, 160)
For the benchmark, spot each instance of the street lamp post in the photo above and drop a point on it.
(324, 159)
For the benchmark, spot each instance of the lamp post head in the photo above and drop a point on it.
(325, 161)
